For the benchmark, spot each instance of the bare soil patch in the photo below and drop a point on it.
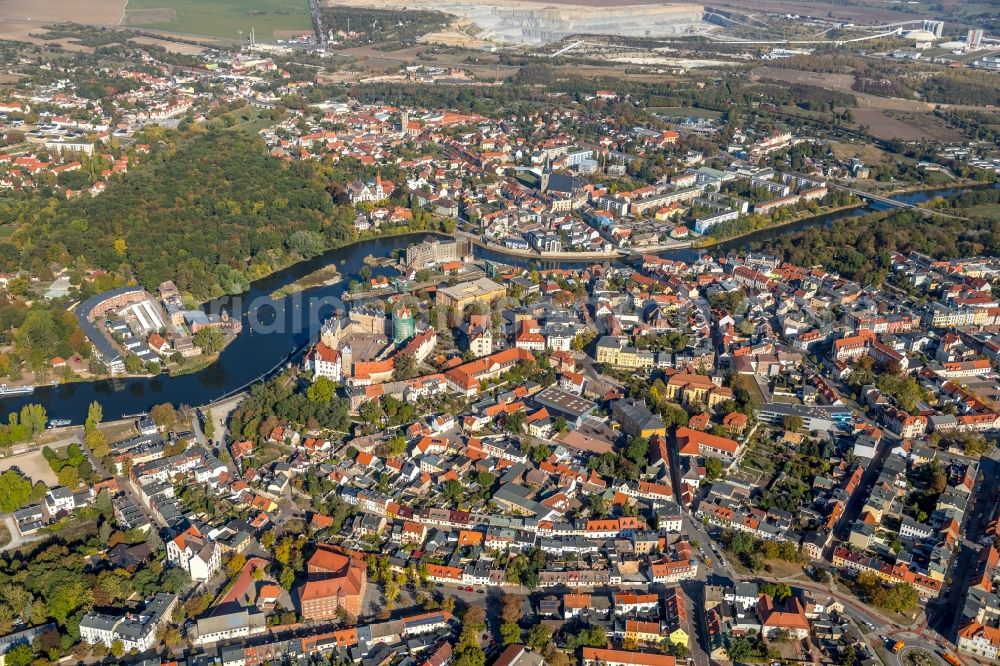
(886, 124)
(843, 82)
(868, 153)
(609, 71)
(401, 55)
(174, 47)
(838, 82)
(454, 38)
(24, 31)
(168, 35)
(95, 12)
(371, 59)
(33, 465)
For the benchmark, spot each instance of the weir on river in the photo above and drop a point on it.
(288, 329)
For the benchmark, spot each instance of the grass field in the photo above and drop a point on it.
(222, 19)
(192, 365)
(938, 178)
(686, 112)
(991, 211)
(248, 119)
(867, 152)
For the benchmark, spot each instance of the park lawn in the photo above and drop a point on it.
(117, 431)
(938, 178)
(849, 586)
(248, 119)
(191, 365)
(782, 570)
(223, 19)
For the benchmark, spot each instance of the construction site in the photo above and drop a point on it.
(537, 23)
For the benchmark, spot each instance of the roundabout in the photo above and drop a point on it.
(917, 654)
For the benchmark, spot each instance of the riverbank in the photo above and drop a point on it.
(192, 365)
(251, 357)
(707, 242)
(959, 184)
(247, 358)
(704, 242)
(532, 254)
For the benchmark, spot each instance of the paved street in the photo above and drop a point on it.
(857, 499)
(16, 540)
(722, 568)
(914, 642)
(942, 618)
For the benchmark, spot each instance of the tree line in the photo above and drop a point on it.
(861, 248)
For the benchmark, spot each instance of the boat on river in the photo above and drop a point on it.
(16, 390)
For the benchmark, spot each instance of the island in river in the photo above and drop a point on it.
(321, 277)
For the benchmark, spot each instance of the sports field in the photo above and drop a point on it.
(222, 19)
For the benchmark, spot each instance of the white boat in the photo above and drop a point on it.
(16, 390)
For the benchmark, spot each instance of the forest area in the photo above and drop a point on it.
(861, 248)
(212, 214)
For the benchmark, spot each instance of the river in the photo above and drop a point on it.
(287, 328)
(248, 356)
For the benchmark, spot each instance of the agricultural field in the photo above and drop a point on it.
(172, 46)
(97, 12)
(853, 11)
(23, 20)
(221, 19)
